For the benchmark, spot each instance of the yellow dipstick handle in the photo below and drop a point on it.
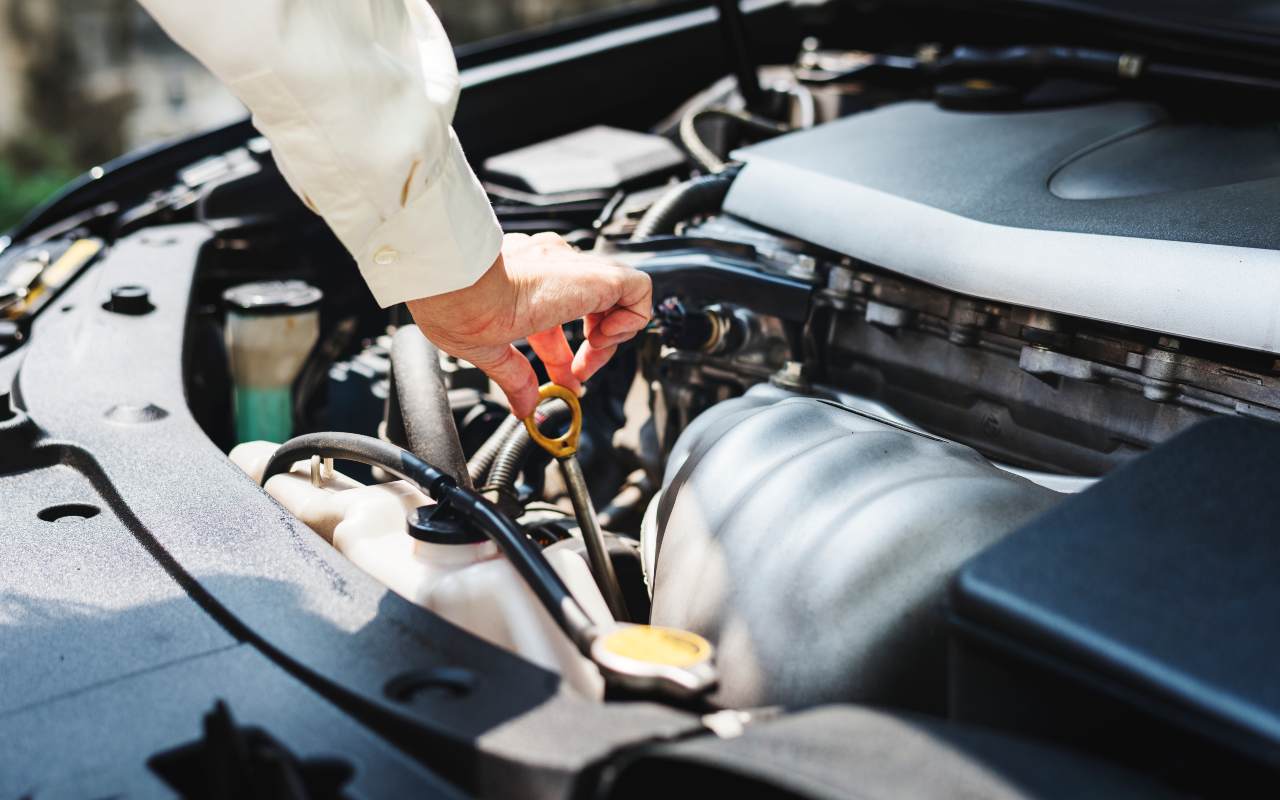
(562, 446)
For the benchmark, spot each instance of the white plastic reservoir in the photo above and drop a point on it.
(472, 585)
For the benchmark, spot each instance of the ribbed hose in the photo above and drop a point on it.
(702, 195)
(482, 460)
(515, 450)
(505, 532)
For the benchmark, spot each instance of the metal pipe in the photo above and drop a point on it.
(597, 551)
(564, 448)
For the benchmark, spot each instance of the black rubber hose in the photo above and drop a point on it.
(419, 417)
(734, 31)
(480, 462)
(1041, 58)
(702, 195)
(515, 450)
(1089, 61)
(505, 532)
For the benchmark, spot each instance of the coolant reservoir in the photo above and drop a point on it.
(271, 328)
(457, 574)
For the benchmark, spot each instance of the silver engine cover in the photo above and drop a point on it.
(812, 544)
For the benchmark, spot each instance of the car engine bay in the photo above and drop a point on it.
(959, 353)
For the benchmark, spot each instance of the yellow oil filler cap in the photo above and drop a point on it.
(648, 658)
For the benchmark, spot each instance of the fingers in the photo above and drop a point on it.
(553, 348)
(591, 330)
(629, 314)
(605, 330)
(614, 327)
(542, 283)
(512, 372)
(589, 359)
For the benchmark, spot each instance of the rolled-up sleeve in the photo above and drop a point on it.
(357, 99)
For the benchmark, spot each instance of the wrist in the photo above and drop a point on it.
(470, 309)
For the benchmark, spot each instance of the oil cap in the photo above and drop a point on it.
(649, 658)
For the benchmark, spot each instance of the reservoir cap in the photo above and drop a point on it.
(266, 298)
(438, 524)
(649, 658)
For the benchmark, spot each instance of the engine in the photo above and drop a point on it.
(946, 460)
(857, 522)
(889, 332)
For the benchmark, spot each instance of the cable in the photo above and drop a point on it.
(523, 554)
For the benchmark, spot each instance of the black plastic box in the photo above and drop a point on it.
(1141, 619)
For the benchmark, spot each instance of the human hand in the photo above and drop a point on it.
(537, 284)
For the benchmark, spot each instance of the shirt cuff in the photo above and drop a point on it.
(443, 239)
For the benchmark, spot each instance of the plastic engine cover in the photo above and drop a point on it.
(813, 544)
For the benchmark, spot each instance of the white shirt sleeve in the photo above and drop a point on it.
(357, 99)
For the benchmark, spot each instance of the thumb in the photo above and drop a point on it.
(511, 371)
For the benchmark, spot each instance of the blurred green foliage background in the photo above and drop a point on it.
(84, 81)
(29, 174)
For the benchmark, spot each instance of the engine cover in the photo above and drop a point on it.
(812, 545)
(1112, 212)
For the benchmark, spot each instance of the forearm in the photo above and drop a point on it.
(357, 100)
